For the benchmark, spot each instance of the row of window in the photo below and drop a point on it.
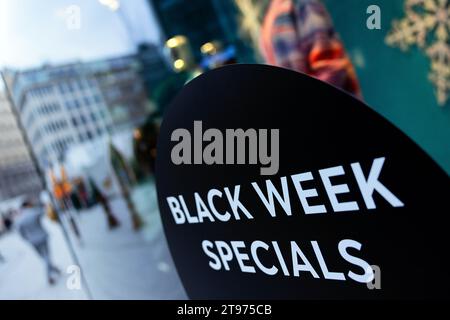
(82, 119)
(89, 135)
(74, 85)
(77, 121)
(48, 108)
(57, 147)
(37, 136)
(87, 101)
(44, 109)
(56, 126)
(118, 76)
(49, 128)
(60, 146)
(41, 91)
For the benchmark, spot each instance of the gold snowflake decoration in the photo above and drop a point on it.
(427, 25)
(250, 24)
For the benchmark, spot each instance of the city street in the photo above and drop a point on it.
(117, 264)
(22, 274)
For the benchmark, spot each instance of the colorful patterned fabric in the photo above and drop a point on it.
(299, 35)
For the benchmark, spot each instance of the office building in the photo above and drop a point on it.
(123, 90)
(58, 106)
(17, 172)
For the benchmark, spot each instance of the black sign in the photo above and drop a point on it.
(272, 184)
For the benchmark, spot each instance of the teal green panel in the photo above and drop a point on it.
(394, 83)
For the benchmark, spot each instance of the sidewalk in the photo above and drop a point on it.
(22, 275)
(117, 264)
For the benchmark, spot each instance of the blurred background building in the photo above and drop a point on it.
(59, 106)
(17, 172)
(123, 91)
(154, 66)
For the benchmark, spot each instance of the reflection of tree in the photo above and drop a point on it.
(145, 145)
(101, 198)
(145, 141)
(121, 167)
(126, 178)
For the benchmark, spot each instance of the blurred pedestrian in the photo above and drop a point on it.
(299, 35)
(2, 229)
(28, 224)
(7, 220)
(103, 200)
(82, 193)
